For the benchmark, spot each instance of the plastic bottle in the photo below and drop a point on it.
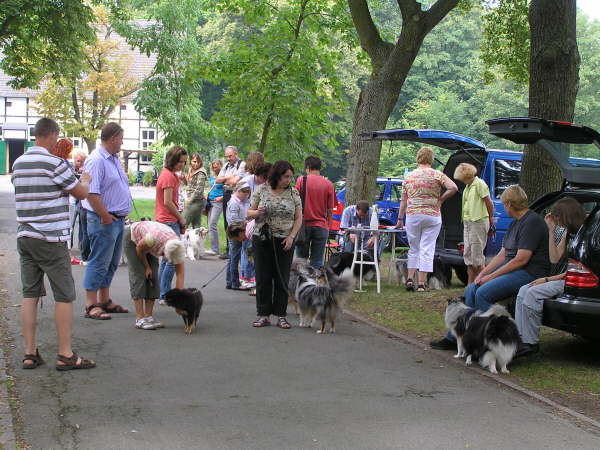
(405, 172)
(374, 224)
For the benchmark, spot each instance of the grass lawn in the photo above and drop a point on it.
(566, 370)
(145, 208)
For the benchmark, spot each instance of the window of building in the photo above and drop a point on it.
(123, 107)
(31, 134)
(145, 157)
(8, 104)
(76, 142)
(148, 137)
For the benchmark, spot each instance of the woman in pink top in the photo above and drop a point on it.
(143, 243)
(167, 209)
(421, 201)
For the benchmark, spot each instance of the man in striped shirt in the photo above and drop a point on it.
(42, 184)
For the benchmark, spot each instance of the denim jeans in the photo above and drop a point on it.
(314, 246)
(484, 296)
(213, 218)
(106, 245)
(166, 271)
(233, 273)
(247, 265)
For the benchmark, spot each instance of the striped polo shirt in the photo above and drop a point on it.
(41, 181)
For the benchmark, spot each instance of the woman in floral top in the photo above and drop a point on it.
(195, 202)
(277, 208)
(421, 201)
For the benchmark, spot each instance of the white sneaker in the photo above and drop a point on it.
(248, 284)
(143, 324)
(210, 253)
(156, 323)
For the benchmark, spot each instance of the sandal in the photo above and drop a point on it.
(409, 285)
(100, 314)
(422, 288)
(261, 322)
(36, 360)
(111, 307)
(70, 363)
(283, 323)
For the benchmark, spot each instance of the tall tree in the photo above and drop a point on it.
(169, 96)
(83, 102)
(39, 37)
(390, 66)
(282, 91)
(553, 83)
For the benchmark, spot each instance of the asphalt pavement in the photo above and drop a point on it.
(230, 386)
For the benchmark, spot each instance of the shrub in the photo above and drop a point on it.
(147, 180)
(131, 177)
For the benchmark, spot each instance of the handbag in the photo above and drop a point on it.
(301, 237)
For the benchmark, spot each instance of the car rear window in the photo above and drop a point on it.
(506, 173)
(381, 192)
(396, 194)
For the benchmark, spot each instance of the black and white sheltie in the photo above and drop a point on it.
(321, 295)
(490, 337)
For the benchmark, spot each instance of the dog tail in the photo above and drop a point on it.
(496, 310)
(342, 285)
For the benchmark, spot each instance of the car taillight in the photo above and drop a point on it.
(580, 276)
(461, 247)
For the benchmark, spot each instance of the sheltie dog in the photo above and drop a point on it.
(322, 297)
(193, 239)
(490, 337)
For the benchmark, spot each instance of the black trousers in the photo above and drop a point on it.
(272, 265)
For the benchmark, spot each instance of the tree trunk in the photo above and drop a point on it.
(553, 84)
(391, 64)
(91, 144)
(375, 104)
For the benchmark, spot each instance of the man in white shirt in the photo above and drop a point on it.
(230, 174)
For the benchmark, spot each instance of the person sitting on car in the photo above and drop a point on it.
(523, 258)
(356, 216)
(421, 201)
(563, 220)
(477, 217)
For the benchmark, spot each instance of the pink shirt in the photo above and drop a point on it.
(154, 234)
(166, 179)
(423, 188)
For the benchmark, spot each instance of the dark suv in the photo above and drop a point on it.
(578, 309)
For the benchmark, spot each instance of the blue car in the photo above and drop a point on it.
(389, 192)
(498, 168)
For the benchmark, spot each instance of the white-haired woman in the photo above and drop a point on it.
(421, 201)
(477, 217)
(144, 243)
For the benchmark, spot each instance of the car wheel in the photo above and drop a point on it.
(461, 273)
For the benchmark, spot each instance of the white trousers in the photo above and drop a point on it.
(422, 232)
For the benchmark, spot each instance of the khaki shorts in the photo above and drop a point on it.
(475, 236)
(39, 257)
(139, 287)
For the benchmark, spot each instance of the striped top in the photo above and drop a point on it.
(41, 181)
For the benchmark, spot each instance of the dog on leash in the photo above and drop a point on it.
(322, 297)
(299, 267)
(490, 337)
(187, 303)
(436, 280)
(193, 239)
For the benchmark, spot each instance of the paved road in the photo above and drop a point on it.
(229, 386)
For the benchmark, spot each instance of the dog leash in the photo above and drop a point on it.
(220, 271)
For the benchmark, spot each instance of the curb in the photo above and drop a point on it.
(498, 379)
